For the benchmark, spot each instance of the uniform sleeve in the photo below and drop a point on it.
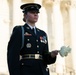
(47, 55)
(13, 51)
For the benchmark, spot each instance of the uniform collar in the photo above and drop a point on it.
(31, 26)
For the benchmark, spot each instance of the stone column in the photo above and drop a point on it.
(17, 13)
(48, 5)
(73, 33)
(4, 25)
(55, 31)
(38, 1)
(58, 36)
(65, 5)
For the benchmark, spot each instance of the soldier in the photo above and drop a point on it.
(35, 53)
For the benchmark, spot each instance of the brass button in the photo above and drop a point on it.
(37, 46)
(22, 63)
(37, 51)
(36, 40)
(28, 39)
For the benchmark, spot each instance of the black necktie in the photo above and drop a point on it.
(33, 30)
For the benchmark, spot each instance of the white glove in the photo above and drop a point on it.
(64, 51)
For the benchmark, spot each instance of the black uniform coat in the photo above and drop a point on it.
(33, 44)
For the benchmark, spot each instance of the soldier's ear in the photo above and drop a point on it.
(25, 15)
(24, 19)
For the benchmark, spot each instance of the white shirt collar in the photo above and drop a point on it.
(31, 26)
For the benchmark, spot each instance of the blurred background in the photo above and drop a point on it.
(57, 19)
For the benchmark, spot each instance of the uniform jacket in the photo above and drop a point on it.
(33, 44)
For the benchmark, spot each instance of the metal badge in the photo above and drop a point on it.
(28, 45)
(27, 34)
(28, 39)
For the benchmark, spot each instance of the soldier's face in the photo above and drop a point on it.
(32, 16)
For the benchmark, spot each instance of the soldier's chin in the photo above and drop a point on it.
(34, 21)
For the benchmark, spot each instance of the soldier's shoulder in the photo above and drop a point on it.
(41, 31)
(17, 26)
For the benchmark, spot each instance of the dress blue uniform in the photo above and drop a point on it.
(35, 53)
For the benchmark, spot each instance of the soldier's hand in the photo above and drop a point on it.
(54, 53)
